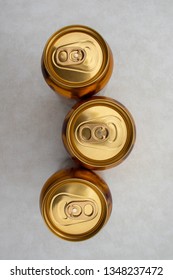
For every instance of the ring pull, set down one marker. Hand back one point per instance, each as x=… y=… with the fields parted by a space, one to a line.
x=81 y=210
x=93 y=132
x=67 y=56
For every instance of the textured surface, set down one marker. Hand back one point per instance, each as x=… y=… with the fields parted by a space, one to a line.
x=31 y=115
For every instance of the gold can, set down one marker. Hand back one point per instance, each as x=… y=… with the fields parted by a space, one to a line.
x=75 y=204
x=99 y=133
x=77 y=61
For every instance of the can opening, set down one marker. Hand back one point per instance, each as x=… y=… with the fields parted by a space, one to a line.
x=86 y=133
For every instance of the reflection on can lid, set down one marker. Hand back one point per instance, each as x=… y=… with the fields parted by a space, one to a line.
x=99 y=132
x=77 y=61
x=75 y=204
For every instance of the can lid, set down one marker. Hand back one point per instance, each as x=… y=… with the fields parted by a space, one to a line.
x=99 y=132
x=75 y=204
x=77 y=61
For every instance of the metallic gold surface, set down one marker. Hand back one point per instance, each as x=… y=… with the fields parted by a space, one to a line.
x=77 y=61
x=75 y=204
x=99 y=132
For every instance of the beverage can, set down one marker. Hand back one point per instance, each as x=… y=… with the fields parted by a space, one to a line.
x=77 y=62
x=99 y=132
x=75 y=204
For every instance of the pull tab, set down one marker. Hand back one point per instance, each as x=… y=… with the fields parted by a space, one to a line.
x=81 y=210
x=101 y=133
x=67 y=56
x=69 y=209
x=93 y=132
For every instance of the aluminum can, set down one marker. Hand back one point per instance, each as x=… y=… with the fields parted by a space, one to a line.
x=99 y=133
x=75 y=204
x=77 y=62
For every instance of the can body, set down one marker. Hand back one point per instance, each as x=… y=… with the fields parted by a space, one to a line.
x=77 y=62
x=99 y=133
x=75 y=204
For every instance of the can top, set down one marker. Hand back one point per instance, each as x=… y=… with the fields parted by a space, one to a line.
x=77 y=60
x=75 y=204
x=99 y=132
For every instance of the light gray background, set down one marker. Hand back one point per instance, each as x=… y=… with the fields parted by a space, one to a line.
x=31 y=116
